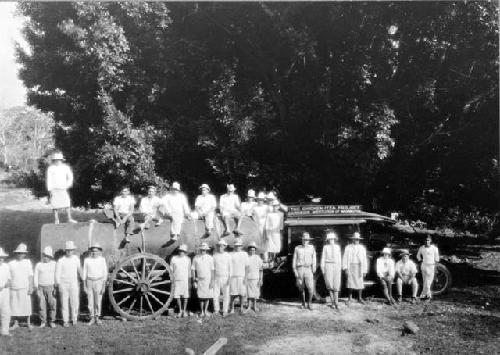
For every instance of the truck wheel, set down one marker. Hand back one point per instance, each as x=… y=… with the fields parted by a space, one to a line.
x=442 y=280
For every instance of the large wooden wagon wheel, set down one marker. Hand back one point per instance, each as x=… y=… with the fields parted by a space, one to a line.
x=140 y=286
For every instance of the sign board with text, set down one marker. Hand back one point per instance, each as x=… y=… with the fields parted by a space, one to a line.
x=322 y=210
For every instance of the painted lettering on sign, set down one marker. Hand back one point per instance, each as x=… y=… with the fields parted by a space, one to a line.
x=305 y=210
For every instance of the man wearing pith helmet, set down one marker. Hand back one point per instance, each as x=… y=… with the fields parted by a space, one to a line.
x=59 y=179
x=230 y=208
x=331 y=267
x=304 y=266
x=355 y=265
x=221 y=275
x=68 y=271
x=44 y=281
x=95 y=274
x=386 y=272
x=205 y=206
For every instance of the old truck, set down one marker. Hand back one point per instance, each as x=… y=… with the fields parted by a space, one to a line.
x=139 y=281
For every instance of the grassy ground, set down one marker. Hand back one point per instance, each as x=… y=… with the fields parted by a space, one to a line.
x=465 y=321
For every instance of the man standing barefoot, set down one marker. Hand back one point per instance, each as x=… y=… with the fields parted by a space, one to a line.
x=237 y=286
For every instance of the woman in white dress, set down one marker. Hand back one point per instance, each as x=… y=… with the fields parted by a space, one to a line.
x=260 y=212
x=273 y=232
x=21 y=286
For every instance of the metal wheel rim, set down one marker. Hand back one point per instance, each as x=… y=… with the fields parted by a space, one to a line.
x=140 y=287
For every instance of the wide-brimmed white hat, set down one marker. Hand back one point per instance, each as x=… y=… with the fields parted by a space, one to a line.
x=183 y=247
x=387 y=251
x=21 y=249
x=306 y=236
x=271 y=196
x=252 y=245
x=356 y=235
x=205 y=186
x=176 y=186
x=251 y=193
x=47 y=251
x=204 y=246
x=70 y=245
x=261 y=196
x=404 y=252
x=57 y=156
x=275 y=203
x=238 y=243
x=331 y=235
x=95 y=246
x=222 y=242
x=230 y=187
x=3 y=254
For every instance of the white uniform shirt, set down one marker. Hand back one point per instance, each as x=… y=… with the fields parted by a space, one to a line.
x=59 y=177
x=205 y=203
x=331 y=254
x=181 y=267
x=239 y=261
x=177 y=205
x=222 y=264
x=254 y=267
x=149 y=205
x=428 y=255
x=203 y=264
x=95 y=268
x=45 y=274
x=229 y=203
x=404 y=269
x=4 y=275
x=68 y=269
x=124 y=205
x=247 y=208
x=385 y=267
x=355 y=254
x=20 y=272
x=304 y=256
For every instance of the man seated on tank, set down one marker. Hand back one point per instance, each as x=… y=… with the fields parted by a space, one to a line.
x=406 y=272
x=149 y=208
x=230 y=208
x=123 y=210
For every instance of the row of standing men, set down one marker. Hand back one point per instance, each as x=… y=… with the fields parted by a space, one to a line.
x=19 y=281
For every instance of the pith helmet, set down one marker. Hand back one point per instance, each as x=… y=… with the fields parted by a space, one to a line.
x=21 y=249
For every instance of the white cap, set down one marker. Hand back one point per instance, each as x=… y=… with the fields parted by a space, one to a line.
x=222 y=242
x=57 y=156
x=205 y=186
x=70 y=245
x=251 y=193
x=183 y=247
x=230 y=187
x=176 y=186
x=331 y=235
x=387 y=251
x=261 y=196
x=21 y=248
x=3 y=254
x=47 y=251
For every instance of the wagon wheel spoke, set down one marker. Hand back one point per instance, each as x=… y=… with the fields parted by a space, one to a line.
x=149 y=303
x=130 y=276
x=140 y=307
x=132 y=304
x=160 y=291
x=123 y=290
x=160 y=283
x=152 y=269
x=155 y=298
x=156 y=277
x=125 y=282
x=135 y=270
x=143 y=277
x=123 y=300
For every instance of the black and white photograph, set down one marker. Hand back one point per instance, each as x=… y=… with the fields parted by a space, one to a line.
x=245 y=177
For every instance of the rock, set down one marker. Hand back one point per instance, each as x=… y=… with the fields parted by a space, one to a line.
x=410 y=327
x=372 y=320
x=189 y=351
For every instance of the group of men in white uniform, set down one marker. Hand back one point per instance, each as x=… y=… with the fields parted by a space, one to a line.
x=19 y=281
x=264 y=209
x=354 y=264
x=235 y=275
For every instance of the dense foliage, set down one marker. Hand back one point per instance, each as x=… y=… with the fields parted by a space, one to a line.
x=393 y=105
